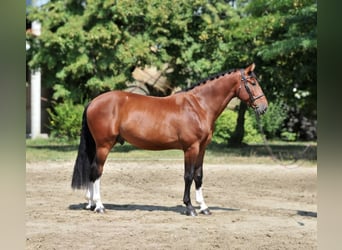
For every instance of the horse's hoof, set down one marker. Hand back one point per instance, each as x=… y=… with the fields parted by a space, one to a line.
x=191 y=212
x=99 y=210
x=205 y=211
x=92 y=208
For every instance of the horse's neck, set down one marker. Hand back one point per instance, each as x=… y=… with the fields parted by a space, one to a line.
x=215 y=95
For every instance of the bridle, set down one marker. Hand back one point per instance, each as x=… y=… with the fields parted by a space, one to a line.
x=244 y=79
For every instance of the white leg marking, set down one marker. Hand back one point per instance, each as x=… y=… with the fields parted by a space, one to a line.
x=200 y=199
x=89 y=195
x=97 y=197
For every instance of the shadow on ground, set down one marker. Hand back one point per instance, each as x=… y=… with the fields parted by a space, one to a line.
x=150 y=208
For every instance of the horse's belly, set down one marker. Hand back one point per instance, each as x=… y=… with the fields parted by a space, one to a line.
x=151 y=138
x=154 y=142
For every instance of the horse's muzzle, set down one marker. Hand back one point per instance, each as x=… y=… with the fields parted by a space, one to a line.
x=261 y=109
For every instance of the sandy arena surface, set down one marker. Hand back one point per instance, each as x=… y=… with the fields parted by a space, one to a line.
x=253 y=207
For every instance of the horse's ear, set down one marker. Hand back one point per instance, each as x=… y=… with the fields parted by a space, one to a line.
x=250 y=68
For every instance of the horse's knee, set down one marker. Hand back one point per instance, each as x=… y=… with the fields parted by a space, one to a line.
x=188 y=177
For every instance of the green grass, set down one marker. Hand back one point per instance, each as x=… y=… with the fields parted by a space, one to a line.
x=285 y=152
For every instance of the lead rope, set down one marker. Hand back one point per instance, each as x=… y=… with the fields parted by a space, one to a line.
x=273 y=156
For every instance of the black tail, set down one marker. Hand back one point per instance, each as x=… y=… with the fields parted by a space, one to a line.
x=85 y=157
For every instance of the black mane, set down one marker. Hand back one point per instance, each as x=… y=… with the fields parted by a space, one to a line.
x=210 y=78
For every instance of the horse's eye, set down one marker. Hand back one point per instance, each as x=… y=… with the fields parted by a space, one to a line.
x=253 y=83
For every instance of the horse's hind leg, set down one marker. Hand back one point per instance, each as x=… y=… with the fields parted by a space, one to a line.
x=93 y=193
x=190 y=156
x=99 y=208
x=93 y=197
x=89 y=196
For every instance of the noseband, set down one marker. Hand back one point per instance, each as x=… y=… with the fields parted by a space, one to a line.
x=245 y=81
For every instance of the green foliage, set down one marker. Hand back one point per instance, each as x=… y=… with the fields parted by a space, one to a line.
x=288 y=136
x=272 y=124
x=65 y=120
x=225 y=126
x=92 y=47
x=252 y=134
x=272 y=120
x=289 y=51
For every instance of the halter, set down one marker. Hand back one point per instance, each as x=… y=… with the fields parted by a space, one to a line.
x=245 y=81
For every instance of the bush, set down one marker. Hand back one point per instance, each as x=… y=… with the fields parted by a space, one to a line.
x=225 y=127
x=288 y=136
x=65 y=120
x=301 y=126
x=272 y=120
x=252 y=134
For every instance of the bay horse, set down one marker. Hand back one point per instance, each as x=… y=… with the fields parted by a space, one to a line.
x=184 y=121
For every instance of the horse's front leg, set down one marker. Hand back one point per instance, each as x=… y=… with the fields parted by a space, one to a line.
x=199 y=194
x=190 y=156
x=188 y=178
x=198 y=182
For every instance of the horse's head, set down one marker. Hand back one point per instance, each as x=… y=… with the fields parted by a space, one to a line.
x=250 y=91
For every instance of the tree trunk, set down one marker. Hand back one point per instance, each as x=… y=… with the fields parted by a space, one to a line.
x=237 y=137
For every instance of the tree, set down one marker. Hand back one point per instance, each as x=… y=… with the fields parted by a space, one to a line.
x=282 y=37
x=91 y=47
